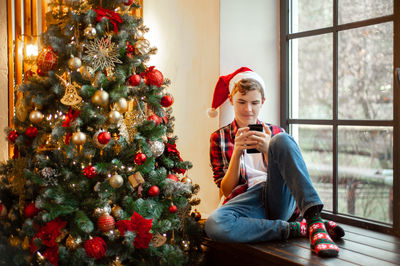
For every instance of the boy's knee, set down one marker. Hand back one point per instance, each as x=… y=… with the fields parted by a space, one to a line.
x=216 y=228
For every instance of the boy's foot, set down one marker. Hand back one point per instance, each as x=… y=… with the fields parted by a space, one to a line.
x=321 y=243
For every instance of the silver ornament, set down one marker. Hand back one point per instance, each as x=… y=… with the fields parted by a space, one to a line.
x=100 y=98
x=186 y=180
x=116 y=181
x=79 y=138
x=36 y=116
x=114 y=116
x=98 y=212
x=122 y=105
x=90 y=32
x=157 y=148
x=74 y=63
x=48 y=172
x=87 y=72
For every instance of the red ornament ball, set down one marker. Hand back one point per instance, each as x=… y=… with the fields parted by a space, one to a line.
x=167 y=101
x=128 y=2
x=105 y=222
x=134 y=80
x=31 y=210
x=173 y=209
x=90 y=171
x=95 y=247
x=140 y=158
x=130 y=48
x=46 y=60
x=104 y=137
x=173 y=177
x=31 y=132
x=155 y=118
x=12 y=136
x=154 y=191
x=153 y=77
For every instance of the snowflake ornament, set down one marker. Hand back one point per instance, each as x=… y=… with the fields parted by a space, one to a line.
x=102 y=53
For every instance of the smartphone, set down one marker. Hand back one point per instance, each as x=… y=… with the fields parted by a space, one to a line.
x=255 y=127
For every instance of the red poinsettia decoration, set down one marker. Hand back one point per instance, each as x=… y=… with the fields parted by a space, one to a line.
x=70 y=117
x=48 y=235
x=172 y=150
x=51 y=254
x=112 y=16
x=140 y=226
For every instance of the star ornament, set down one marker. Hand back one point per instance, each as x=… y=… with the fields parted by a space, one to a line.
x=102 y=53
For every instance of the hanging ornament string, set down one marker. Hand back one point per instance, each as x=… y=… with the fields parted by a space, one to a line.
x=112 y=16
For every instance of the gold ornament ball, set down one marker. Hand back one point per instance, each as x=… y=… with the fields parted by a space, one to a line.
x=90 y=32
x=100 y=98
x=122 y=105
x=87 y=72
x=116 y=181
x=36 y=116
x=114 y=116
x=79 y=138
x=74 y=63
x=116 y=211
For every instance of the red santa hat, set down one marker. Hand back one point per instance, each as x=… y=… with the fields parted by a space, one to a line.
x=225 y=85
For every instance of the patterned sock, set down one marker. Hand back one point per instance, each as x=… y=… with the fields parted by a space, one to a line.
x=298 y=229
x=321 y=243
x=334 y=230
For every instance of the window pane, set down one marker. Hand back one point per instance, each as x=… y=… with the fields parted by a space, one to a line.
x=311 y=77
x=365 y=74
x=366 y=172
x=354 y=10
x=315 y=142
x=310 y=14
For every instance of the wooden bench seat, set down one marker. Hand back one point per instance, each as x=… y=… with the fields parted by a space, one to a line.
x=358 y=247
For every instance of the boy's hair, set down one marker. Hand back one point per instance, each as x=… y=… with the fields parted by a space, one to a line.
x=247 y=84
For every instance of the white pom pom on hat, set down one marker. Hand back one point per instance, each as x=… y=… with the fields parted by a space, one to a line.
x=225 y=85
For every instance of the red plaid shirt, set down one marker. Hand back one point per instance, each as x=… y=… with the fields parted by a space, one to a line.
x=222 y=142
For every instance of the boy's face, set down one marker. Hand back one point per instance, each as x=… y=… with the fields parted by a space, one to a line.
x=247 y=107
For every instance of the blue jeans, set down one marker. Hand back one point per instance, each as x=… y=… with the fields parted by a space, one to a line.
x=261 y=213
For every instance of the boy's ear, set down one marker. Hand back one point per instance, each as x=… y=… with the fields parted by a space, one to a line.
x=263 y=100
x=230 y=99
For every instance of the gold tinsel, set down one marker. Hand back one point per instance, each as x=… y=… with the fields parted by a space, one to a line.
x=133 y=116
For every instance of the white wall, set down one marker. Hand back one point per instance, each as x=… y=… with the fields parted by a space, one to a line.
x=199 y=40
x=186 y=33
x=3 y=81
x=249 y=36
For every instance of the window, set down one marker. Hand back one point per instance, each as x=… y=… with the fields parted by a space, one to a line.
x=340 y=100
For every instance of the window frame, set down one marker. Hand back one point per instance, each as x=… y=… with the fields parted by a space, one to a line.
x=286 y=121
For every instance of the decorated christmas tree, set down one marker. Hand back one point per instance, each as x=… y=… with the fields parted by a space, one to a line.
x=95 y=177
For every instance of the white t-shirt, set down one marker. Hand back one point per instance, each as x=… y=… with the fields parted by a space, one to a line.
x=255 y=168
